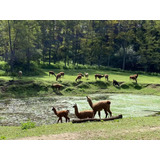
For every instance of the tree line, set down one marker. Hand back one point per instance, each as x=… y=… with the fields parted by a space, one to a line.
x=125 y=44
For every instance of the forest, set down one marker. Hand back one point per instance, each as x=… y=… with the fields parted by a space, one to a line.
x=125 y=44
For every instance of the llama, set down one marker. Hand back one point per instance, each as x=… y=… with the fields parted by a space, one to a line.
x=80 y=74
x=115 y=83
x=86 y=75
x=78 y=77
x=99 y=76
x=134 y=77
x=58 y=76
x=83 y=114
x=106 y=76
x=52 y=73
x=98 y=106
x=20 y=74
x=61 y=114
x=62 y=74
x=57 y=86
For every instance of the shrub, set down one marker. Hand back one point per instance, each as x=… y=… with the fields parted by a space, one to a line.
x=2 y=138
x=28 y=125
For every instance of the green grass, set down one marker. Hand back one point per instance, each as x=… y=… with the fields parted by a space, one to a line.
x=126 y=128
x=41 y=85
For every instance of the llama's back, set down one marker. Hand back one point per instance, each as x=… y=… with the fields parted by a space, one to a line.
x=63 y=113
x=85 y=114
x=101 y=105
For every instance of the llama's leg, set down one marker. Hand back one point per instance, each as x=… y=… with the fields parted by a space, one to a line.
x=61 y=119
x=68 y=119
x=106 y=113
x=58 y=119
x=95 y=113
x=99 y=113
x=110 y=112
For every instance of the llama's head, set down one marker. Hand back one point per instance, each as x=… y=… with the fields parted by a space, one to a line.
x=75 y=105
x=53 y=109
x=88 y=99
x=108 y=102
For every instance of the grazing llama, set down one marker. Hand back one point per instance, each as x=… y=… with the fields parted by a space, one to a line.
x=52 y=73
x=98 y=76
x=57 y=86
x=115 y=83
x=79 y=77
x=134 y=77
x=106 y=76
x=58 y=76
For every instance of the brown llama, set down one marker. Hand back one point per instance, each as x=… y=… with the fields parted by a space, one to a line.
x=83 y=114
x=20 y=74
x=99 y=76
x=57 y=86
x=106 y=76
x=78 y=77
x=134 y=77
x=80 y=74
x=52 y=73
x=61 y=114
x=86 y=75
x=98 y=106
x=115 y=83
x=58 y=76
x=62 y=73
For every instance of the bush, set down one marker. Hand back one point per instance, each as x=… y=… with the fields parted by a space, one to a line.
x=28 y=125
x=2 y=138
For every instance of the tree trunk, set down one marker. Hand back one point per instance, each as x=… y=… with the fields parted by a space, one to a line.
x=49 y=56
x=108 y=64
x=124 y=57
x=11 y=50
x=96 y=120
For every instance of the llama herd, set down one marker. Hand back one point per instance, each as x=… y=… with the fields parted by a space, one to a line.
x=80 y=75
x=96 y=107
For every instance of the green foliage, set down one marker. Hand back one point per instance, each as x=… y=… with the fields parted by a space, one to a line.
x=28 y=125
x=2 y=137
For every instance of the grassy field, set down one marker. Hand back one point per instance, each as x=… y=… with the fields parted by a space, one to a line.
x=41 y=85
x=138 y=128
x=127 y=128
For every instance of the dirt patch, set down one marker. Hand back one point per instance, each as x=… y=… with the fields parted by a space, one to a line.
x=87 y=135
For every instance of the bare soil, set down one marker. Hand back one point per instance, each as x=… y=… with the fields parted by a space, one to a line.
x=87 y=134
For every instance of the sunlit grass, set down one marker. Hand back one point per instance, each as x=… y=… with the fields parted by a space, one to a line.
x=126 y=128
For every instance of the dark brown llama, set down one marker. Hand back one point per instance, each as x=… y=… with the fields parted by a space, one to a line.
x=52 y=73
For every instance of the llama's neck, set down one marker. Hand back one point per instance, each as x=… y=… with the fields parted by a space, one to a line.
x=76 y=111
x=54 y=110
x=90 y=103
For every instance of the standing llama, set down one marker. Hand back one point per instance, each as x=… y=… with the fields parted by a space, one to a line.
x=98 y=106
x=61 y=114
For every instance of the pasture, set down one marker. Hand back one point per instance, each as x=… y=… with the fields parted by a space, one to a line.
x=127 y=99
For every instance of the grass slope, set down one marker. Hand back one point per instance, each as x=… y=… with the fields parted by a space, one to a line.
x=41 y=85
x=125 y=129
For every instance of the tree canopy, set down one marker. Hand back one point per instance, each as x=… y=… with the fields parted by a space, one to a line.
x=125 y=44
